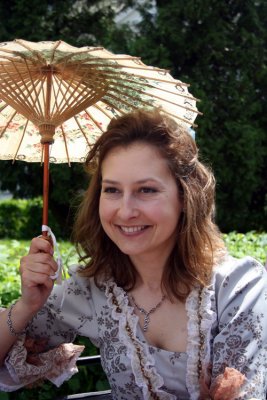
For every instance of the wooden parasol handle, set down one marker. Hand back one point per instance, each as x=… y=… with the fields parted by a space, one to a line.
x=45 y=186
x=47 y=132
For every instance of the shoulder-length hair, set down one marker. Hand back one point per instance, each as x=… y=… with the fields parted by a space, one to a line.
x=198 y=240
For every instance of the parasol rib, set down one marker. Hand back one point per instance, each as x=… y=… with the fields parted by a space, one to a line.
x=102 y=110
x=84 y=102
x=156 y=97
x=39 y=114
x=22 y=79
x=116 y=78
x=13 y=95
x=122 y=66
x=82 y=130
x=21 y=139
x=118 y=110
x=181 y=119
x=8 y=122
x=2 y=108
x=103 y=59
x=65 y=142
x=37 y=93
x=94 y=121
x=48 y=94
x=110 y=68
x=56 y=105
x=59 y=78
x=136 y=107
x=33 y=52
x=67 y=90
x=57 y=44
x=126 y=103
x=69 y=56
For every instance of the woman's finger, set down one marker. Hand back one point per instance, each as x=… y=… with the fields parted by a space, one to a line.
x=39 y=244
x=31 y=279
x=39 y=268
x=39 y=258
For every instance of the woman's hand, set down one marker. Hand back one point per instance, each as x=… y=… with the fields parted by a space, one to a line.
x=36 y=270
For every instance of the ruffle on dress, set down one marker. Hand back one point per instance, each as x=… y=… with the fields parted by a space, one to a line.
x=142 y=362
x=200 y=302
x=27 y=363
x=193 y=343
x=226 y=386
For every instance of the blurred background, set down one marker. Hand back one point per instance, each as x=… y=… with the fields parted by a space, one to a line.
x=219 y=47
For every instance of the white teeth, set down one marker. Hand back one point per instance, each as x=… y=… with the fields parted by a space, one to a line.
x=132 y=229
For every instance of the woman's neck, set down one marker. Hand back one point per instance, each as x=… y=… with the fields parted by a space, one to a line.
x=149 y=271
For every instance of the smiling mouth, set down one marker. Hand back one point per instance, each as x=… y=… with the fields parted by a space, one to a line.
x=132 y=229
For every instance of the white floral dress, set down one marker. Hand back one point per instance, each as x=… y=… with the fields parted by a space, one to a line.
x=229 y=315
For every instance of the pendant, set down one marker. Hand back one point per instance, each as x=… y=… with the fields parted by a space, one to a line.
x=146 y=322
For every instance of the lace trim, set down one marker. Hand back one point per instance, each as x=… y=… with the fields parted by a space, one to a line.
x=193 y=343
x=142 y=362
x=209 y=316
x=202 y=304
x=26 y=365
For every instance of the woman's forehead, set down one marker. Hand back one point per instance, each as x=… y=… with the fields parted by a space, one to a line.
x=138 y=162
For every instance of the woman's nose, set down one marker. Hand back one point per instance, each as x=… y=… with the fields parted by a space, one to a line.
x=128 y=207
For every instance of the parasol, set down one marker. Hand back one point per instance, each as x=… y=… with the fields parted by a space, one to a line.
x=56 y=99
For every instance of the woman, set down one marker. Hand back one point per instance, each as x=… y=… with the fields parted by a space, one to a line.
x=174 y=316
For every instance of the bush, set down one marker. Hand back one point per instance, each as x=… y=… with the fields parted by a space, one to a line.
x=9 y=273
x=10 y=253
x=22 y=219
x=252 y=244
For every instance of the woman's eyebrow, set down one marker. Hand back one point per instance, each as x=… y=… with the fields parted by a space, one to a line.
x=140 y=181
x=110 y=181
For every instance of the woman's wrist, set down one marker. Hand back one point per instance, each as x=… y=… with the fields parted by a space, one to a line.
x=10 y=322
x=18 y=317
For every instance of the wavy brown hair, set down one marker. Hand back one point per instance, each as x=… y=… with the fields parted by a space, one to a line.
x=198 y=245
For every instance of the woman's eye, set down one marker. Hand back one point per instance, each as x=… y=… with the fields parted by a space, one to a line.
x=110 y=190
x=148 y=190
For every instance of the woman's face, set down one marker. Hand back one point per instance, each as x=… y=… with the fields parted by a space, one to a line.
x=139 y=203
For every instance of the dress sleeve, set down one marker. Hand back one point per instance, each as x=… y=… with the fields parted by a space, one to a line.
x=46 y=351
x=69 y=311
x=240 y=340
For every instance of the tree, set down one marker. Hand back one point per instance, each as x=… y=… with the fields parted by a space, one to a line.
x=220 y=48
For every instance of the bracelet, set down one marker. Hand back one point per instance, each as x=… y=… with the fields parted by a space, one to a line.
x=10 y=325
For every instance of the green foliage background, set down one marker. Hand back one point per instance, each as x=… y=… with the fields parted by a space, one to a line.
x=219 y=47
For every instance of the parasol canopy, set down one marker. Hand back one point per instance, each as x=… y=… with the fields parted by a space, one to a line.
x=53 y=92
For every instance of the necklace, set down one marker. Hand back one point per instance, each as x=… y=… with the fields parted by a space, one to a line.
x=147 y=313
